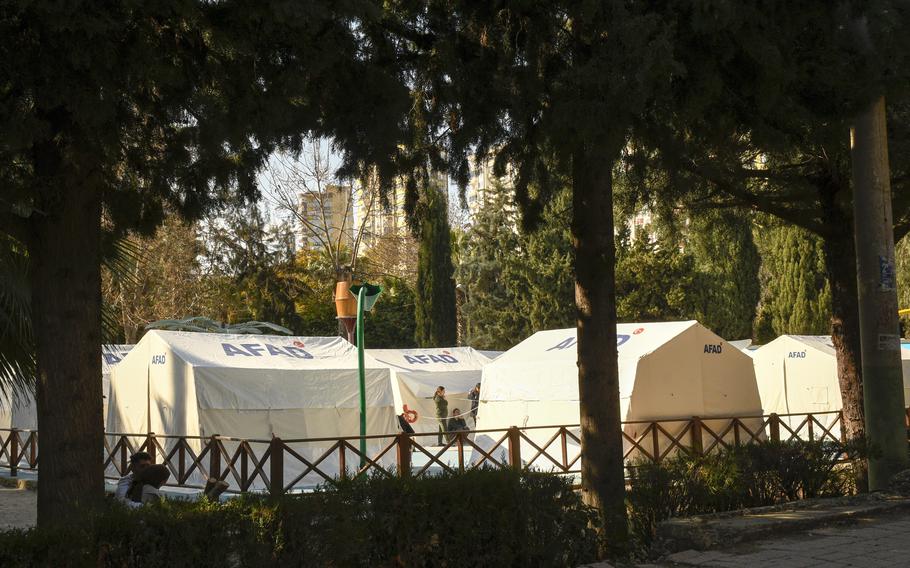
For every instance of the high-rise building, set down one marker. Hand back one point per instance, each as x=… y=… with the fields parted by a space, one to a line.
x=381 y=221
x=482 y=183
x=327 y=216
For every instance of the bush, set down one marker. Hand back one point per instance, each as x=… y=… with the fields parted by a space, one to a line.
x=479 y=518
x=752 y=475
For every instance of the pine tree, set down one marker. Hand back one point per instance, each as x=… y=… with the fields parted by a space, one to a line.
x=655 y=280
x=486 y=254
x=434 y=313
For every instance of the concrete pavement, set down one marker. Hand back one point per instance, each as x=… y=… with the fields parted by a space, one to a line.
x=870 y=542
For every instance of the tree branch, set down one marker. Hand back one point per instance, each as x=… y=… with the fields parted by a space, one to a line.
x=742 y=197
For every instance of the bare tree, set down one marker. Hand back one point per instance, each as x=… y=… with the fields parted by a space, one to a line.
x=298 y=184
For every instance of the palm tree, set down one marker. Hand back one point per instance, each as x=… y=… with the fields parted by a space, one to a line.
x=17 y=353
x=17 y=347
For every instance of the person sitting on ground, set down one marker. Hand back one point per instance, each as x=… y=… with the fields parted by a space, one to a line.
x=147 y=484
x=457 y=423
x=138 y=462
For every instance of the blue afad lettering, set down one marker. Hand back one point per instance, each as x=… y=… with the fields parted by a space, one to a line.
x=716 y=349
x=425 y=359
x=111 y=358
x=571 y=341
x=260 y=349
x=797 y=355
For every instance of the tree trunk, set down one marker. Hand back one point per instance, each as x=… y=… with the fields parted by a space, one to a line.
x=65 y=254
x=602 y=472
x=840 y=265
x=840 y=268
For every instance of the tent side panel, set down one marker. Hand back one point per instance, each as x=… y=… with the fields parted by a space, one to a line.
x=729 y=387
x=668 y=381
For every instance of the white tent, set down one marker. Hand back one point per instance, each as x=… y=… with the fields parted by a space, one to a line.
x=905 y=365
x=111 y=355
x=741 y=344
x=252 y=387
x=797 y=374
x=416 y=374
x=23 y=414
x=491 y=355
x=666 y=370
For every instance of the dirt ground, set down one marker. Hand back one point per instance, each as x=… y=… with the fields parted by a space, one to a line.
x=18 y=508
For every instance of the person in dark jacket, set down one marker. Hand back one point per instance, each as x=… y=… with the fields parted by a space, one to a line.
x=457 y=422
x=442 y=411
x=474 y=397
x=146 y=484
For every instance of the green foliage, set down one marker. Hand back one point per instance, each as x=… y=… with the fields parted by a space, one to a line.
x=520 y=282
x=251 y=268
x=390 y=325
x=655 y=281
x=902 y=262
x=796 y=296
x=434 y=314
x=481 y=518
x=751 y=475
x=515 y=282
x=17 y=355
x=727 y=262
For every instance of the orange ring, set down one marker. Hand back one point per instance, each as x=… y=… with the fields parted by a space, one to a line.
x=410 y=415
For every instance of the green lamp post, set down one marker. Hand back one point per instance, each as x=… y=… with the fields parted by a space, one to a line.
x=366 y=295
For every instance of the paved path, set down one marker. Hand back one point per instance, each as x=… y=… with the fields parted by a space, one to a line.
x=870 y=543
x=18 y=508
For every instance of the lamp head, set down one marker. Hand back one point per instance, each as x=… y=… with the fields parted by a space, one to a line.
x=370 y=294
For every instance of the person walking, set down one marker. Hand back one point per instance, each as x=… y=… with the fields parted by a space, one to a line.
x=474 y=397
x=442 y=411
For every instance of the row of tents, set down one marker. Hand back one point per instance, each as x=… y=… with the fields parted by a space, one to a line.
x=242 y=385
x=254 y=387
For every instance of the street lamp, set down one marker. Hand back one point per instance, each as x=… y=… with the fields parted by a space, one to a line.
x=366 y=295
x=346 y=307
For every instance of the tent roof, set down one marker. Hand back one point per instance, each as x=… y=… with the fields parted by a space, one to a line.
x=491 y=355
x=820 y=343
x=441 y=360
x=111 y=355
x=231 y=351
x=634 y=340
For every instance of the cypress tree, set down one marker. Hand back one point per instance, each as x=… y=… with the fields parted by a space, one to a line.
x=796 y=297
x=434 y=313
x=727 y=261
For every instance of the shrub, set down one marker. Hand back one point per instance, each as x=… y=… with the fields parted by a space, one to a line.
x=751 y=475
x=478 y=518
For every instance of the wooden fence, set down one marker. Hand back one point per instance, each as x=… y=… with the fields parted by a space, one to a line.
x=277 y=465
